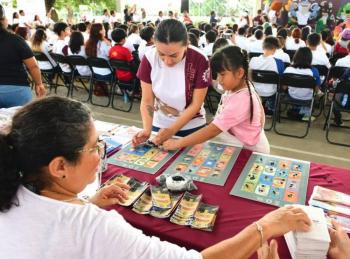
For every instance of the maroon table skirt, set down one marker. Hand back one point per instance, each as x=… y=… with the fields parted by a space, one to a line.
x=235 y=213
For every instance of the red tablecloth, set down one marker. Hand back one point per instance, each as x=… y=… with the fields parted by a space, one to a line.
x=235 y=213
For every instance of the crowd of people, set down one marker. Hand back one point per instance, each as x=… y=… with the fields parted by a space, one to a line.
x=176 y=62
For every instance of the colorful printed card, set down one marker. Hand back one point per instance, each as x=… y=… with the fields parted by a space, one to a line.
x=208 y=162
x=273 y=180
x=184 y=212
x=160 y=197
x=205 y=216
x=145 y=158
x=165 y=213
x=144 y=204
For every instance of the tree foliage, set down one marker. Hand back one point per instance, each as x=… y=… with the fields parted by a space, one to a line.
x=96 y=5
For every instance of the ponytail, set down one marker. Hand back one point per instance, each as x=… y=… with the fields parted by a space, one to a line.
x=231 y=58
x=10 y=177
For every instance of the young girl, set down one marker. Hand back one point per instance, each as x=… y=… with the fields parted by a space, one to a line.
x=240 y=115
x=302 y=65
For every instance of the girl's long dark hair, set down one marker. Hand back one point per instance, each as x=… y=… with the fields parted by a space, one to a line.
x=231 y=58
x=95 y=37
x=302 y=58
x=76 y=41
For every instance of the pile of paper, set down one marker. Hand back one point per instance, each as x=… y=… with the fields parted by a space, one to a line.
x=313 y=244
x=336 y=205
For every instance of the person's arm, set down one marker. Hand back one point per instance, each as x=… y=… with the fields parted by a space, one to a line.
x=188 y=114
x=147 y=111
x=35 y=73
x=197 y=137
x=147 y=106
x=246 y=242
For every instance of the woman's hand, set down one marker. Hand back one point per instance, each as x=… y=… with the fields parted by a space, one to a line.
x=285 y=219
x=40 y=90
x=110 y=195
x=340 y=242
x=172 y=144
x=140 y=137
x=163 y=135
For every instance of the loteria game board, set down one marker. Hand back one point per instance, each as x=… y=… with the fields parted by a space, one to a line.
x=145 y=158
x=208 y=162
x=273 y=180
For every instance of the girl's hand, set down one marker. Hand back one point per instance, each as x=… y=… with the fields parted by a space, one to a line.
x=171 y=144
x=285 y=219
x=163 y=135
x=110 y=195
x=140 y=137
x=340 y=242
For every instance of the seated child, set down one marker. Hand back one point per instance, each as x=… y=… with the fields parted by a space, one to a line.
x=240 y=116
x=302 y=65
x=268 y=62
x=119 y=52
x=148 y=42
x=343 y=100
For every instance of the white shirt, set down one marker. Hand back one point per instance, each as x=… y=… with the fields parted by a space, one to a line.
x=102 y=52
x=327 y=50
x=343 y=62
x=45 y=228
x=208 y=50
x=280 y=54
x=300 y=93
x=86 y=36
x=303 y=17
x=242 y=42
x=105 y=19
x=46 y=65
x=292 y=45
x=143 y=48
x=168 y=85
x=202 y=41
x=23 y=20
x=256 y=46
x=83 y=70
x=268 y=64
x=57 y=48
x=132 y=39
x=320 y=58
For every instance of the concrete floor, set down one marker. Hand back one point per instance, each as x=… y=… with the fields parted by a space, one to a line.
x=313 y=148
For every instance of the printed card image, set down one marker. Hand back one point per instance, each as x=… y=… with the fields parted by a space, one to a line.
x=181 y=167
x=257 y=168
x=146 y=158
x=290 y=196
x=262 y=189
x=204 y=171
x=293 y=185
x=270 y=170
x=284 y=179
x=282 y=173
x=266 y=179
x=279 y=182
x=205 y=163
x=276 y=193
x=284 y=164
x=248 y=187
x=294 y=175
